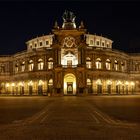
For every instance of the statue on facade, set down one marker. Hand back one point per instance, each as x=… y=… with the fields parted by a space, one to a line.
x=68 y=16
x=68 y=20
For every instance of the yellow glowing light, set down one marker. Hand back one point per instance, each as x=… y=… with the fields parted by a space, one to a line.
x=126 y=83
x=21 y=84
x=109 y=82
x=88 y=82
x=74 y=85
x=30 y=83
x=65 y=84
x=50 y=82
x=118 y=83
x=132 y=83
x=7 y=85
x=40 y=83
x=72 y=79
x=98 y=82
x=13 y=84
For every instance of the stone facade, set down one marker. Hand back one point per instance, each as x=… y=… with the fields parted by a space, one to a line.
x=70 y=62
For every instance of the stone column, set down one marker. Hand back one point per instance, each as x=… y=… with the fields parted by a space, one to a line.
x=79 y=56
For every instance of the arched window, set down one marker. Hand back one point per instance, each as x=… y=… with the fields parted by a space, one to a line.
x=40 y=87
x=89 y=85
x=21 y=88
x=40 y=64
x=109 y=83
x=97 y=42
x=103 y=44
x=122 y=66
x=2 y=68
x=118 y=87
x=98 y=63
x=50 y=85
x=116 y=65
x=50 y=82
x=50 y=63
x=132 y=87
x=99 y=86
x=30 y=86
x=107 y=45
x=99 y=82
x=126 y=87
x=88 y=63
x=91 y=42
x=30 y=83
x=136 y=67
x=13 y=88
x=88 y=82
x=31 y=65
x=23 y=66
x=40 y=82
x=108 y=64
x=16 y=68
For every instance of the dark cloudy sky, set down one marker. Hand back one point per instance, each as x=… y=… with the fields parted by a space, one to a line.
x=22 y=21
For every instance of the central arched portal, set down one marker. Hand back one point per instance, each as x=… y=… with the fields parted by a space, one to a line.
x=69 y=84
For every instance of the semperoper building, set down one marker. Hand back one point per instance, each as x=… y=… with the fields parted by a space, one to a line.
x=69 y=61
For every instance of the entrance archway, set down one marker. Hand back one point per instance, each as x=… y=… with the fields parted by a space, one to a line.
x=69 y=84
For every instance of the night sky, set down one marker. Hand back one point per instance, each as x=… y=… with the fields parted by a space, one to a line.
x=22 y=21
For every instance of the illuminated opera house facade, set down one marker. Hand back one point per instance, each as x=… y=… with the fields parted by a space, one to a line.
x=70 y=61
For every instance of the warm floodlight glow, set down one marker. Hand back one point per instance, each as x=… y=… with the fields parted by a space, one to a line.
x=69 y=78
x=30 y=83
x=132 y=83
x=69 y=59
x=126 y=83
x=74 y=85
x=40 y=83
x=98 y=82
x=21 y=84
x=65 y=85
x=31 y=65
x=88 y=82
x=7 y=85
x=13 y=84
x=50 y=82
x=40 y=64
x=118 y=83
x=108 y=64
x=109 y=82
x=98 y=63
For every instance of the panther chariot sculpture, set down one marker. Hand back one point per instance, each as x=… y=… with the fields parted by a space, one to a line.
x=68 y=20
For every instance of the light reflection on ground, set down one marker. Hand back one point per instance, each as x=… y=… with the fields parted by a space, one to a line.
x=70 y=117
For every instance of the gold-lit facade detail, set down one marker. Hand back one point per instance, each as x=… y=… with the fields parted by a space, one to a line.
x=70 y=62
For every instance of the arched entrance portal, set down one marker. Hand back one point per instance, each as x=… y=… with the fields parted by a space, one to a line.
x=69 y=84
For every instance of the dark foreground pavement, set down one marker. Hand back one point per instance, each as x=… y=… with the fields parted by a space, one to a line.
x=70 y=118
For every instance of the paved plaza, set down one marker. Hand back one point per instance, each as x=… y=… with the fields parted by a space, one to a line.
x=70 y=118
